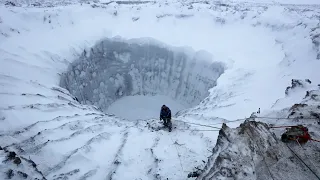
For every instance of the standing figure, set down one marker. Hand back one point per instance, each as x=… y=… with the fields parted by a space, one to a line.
x=165 y=115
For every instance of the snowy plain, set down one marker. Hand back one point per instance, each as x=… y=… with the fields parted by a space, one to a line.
x=263 y=45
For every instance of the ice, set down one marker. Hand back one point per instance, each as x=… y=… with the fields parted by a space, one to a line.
x=152 y=69
x=143 y=107
x=237 y=57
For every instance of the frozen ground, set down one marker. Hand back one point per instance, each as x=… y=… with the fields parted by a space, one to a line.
x=254 y=149
x=245 y=55
x=142 y=107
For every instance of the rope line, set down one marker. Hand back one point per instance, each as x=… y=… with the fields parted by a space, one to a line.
x=263 y=158
x=198 y=129
x=284 y=118
x=227 y=121
x=198 y=124
x=218 y=128
x=303 y=162
x=177 y=154
x=273 y=135
x=252 y=138
x=307 y=158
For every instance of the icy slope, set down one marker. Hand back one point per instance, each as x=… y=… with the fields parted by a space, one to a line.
x=257 y=81
x=64 y=138
x=255 y=151
x=96 y=146
x=264 y=46
x=77 y=141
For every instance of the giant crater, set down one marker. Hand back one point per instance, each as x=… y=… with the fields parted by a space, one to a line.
x=116 y=68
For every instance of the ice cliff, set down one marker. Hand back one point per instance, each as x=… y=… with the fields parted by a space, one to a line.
x=116 y=68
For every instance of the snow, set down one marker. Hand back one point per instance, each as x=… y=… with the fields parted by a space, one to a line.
x=295 y=2
x=153 y=68
x=142 y=107
x=244 y=57
x=251 y=151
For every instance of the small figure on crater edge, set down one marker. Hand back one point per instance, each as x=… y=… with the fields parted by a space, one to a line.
x=165 y=115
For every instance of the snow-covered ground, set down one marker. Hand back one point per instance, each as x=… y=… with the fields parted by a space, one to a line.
x=261 y=47
x=254 y=149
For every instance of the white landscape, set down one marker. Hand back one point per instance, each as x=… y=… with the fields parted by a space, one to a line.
x=82 y=84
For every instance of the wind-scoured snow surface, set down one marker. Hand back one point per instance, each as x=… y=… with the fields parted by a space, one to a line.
x=259 y=46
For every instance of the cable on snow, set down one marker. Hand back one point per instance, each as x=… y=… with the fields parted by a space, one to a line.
x=263 y=158
x=218 y=129
x=303 y=162
x=298 y=156
x=177 y=154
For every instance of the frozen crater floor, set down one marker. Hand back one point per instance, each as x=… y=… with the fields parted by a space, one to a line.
x=66 y=67
x=142 y=107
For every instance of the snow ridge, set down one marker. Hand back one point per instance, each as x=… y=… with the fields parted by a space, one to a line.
x=255 y=151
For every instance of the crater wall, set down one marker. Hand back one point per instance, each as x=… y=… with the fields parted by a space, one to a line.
x=115 y=68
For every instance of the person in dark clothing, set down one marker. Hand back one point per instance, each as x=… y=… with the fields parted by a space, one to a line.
x=165 y=115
